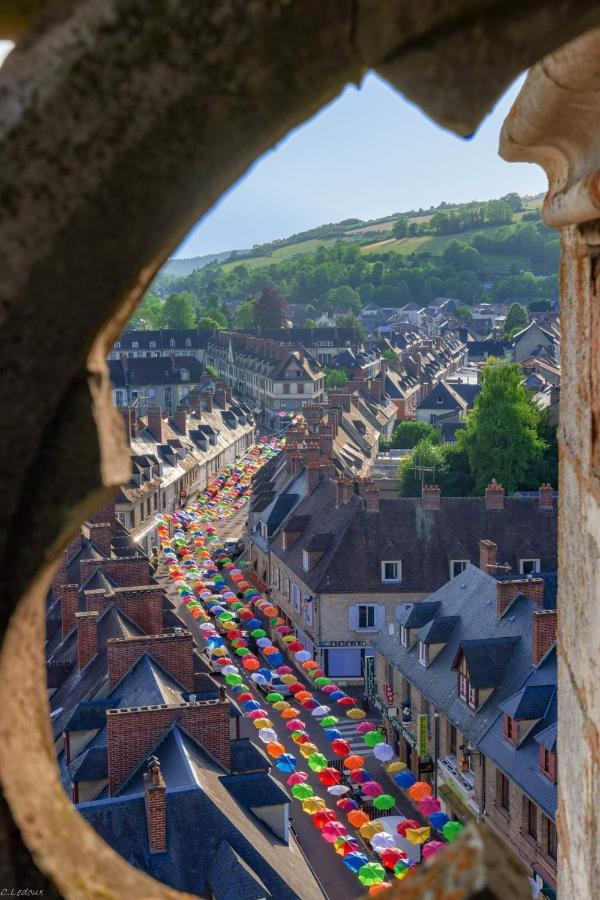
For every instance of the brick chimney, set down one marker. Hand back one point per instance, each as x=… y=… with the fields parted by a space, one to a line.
x=546 y=495
x=340 y=493
x=69 y=605
x=328 y=468
x=87 y=636
x=311 y=451
x=372 y=499
x=219 y=397
x=174 y=651
x=343 y=400
x=155 y=423
x=293 y=461
x=494 y=495
x=101 y=536
x=208 y=401
x=60 y=576
x=431 y=496
x=487 y=556
x=543 y=633
x=195 y=401
x=326 y=440
x=180 y=420
x=129 y=420
x=313 y=473
x=508 y=589
x=155 y=796
x=376 y=389
x=132 y=732
x=228 y=394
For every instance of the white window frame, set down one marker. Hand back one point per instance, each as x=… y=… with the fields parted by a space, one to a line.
x=391 y=562
x=305 y=561
x=172 y=343
x=367 y=606
x=423 y=654
x=296 y=597
x=465 y=563
x=188 y=342
x=404 y=636
x=134 y=345
x=119 y=397
x=152 y=345
x=117 y=345
x=536 y=566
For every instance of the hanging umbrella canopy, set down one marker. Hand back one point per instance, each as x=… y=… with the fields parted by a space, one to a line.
x=338 y=790
x=313 y=805
x=371 y=873
x=289 y=713
x=355 y=861
x=321 y=818
x=286 y=763
x=405 y=824
x=431 y=848
x=354 y=761
x=382 y=841
x=298 y=778
x=360 y=776
x=332 y=831
x=418 y=835
x=345 y=803
x=419 y=790
x=345 y=845
x=384 y=801
x=329 y=776
x=451 y=830
x=340 y=747
x=358 y=818
x=317 y=762
x=391 y=856
x=383 y=752
x=328 y=721
x=429 y=806
x=370 y=829
x=371 y=788
x=395 y=766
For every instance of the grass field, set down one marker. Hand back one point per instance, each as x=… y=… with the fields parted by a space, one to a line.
x=259 y=262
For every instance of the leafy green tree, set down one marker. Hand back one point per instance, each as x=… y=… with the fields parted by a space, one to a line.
x=270 y=309
x=208 y=322
x=244 y=317
x=454 y=475
x=351 y=322
x=148 y=314
x=514 y=201
x=387 y=353
x=336 y=378
x=400 y=228
x=425 y=455
x=539 y=306
x=344 y=298
x=408 y=434
x=310 y=323
x=178 y=311
x=463 y=312
x=516 y=319
x=501 y=436
x=210 y=369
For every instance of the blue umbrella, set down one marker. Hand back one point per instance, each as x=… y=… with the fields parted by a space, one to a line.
x=355 y=861
x=332 y=734
x=286 y=763
x=438 y=820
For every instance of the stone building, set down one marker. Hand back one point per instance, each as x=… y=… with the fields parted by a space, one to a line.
x=163 y=342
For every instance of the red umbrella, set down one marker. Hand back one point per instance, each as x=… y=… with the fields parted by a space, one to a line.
x=391 y=856
x=332 y=831
x=322 y=817
x=295 y=725
x=363 y=727
x=329 y=776
x=359 y=776
x=296 y=687
x=295 y=646
x=245 y=695
x=347 y=701
x=405 y=825
x=340 y=746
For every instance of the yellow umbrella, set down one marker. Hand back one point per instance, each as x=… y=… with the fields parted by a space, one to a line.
x=356 y=713
x=289 y=679
x=289 y=638
x=219 y=651
x=418 y=835
x=370 y=829
x=313 y=805
x=307 y=750
x=280 y=705
x=262 y=723
x=396 y=766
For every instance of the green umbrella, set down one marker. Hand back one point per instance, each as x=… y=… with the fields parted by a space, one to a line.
x=384 y=801
x=302 y=791
x=273 y=697
x=258 y=633
x=371 y=873
x=328 y=721
x=317 y=762
x=451 y=830
x=234 y=679
x=322 y=680
x=372 y=738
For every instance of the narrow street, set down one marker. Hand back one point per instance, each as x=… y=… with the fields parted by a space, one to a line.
x=338 y=882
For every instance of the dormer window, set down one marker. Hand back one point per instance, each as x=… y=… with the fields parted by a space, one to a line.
x=117 y=345
x=529 y=566
x=152 y=345
x=404 y=636
x=134 y=345
x=172 y=342
x=391 y=571
x=184 y=374
x=511 y=729
x=305 y=560
x=423 y=653
x=188 y=342
x=548 y=763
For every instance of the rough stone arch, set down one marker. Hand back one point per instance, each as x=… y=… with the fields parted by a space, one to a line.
x=122 y=122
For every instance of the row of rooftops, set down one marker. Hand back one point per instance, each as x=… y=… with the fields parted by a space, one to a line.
x=268 y=357
x=109 y=667
x=501 y=632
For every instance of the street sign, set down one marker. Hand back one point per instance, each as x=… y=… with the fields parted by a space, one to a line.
x=369 y=675
x=388 y=693
x=422 y=735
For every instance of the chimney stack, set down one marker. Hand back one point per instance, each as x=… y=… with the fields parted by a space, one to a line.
x=101 y=536
x=326 y=440
x=180 y=419
x=487 y=557
x=372 y=499
x=208 y=401
x=328 y=468
x=376 y=388
x=313 y=473
x=431 y=496
x=87 y=636
x=293 y=461
x=543 y=633
x=69 y=605
x=155 y=423
x=340 y=493
x=129 y=420
x=195 y=402
x=155 y=796
x=509 y=588
x=546 y=495
x=219 y=397
x=494 y=495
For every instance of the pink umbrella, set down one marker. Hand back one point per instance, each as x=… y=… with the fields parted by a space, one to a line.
x=284 y=670
x=295 y=725
x=364 y=727
x=332 y=831
x=297 y=778
x=359 y=776
x=257 y=714
x=346 y=804
x=372 y=789
x=429 y=805
x=431 y=848
x=330 y=688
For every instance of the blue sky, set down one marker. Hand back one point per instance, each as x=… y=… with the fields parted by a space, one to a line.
x=368 y=154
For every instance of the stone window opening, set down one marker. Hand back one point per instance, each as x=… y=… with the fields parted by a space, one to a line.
x=50 y=840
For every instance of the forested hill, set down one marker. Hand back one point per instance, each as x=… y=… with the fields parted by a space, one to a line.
x=497 y=249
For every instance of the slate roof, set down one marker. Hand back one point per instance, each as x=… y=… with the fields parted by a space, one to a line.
x=88 y=715
x=143 y=370
x=202 y=813
x=487 y=659
x=321 y=541
x=438 y=630
x=449 y=430
x=424 y=540
x=414 y=615
x=92 y=765
x=282 y=507
x=255 y=789
x=198 y=338
x=246 y=756
x=530 y=702
x=443 y=397
x=547 y=737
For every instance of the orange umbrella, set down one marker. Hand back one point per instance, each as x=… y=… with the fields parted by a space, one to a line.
x=290 y=713
x=419 y=790
x=354 y=762
x=358 y=818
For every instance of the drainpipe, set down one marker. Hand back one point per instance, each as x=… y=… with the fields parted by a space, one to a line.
x=482 y=792
x=436 y=750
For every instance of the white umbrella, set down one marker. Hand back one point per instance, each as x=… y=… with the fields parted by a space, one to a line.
x=229 y=670
x=258 y=678
x=267 y=735
x=382 y=841
x=302 y=655
x=319 y=711
x=337 y=790
x=383 y=752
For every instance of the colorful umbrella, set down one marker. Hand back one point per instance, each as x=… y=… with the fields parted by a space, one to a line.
x=371 y=873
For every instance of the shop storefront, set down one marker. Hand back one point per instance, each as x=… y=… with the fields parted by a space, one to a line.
x=345 y=659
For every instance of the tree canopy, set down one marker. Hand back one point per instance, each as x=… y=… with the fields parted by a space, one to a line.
x=501 y=437
x=516 y=319
x=178 y=311
x=270 y=309
x=408 y=434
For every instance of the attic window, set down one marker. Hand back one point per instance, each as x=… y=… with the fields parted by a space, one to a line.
x=529 y=566
x=511 y=729
x=404 y=636
x=188 y=342
x=172 y=342
x=134 y=345
x=184 y=374
x=458 y=566
x=548 y=763
x=391 y=571
x=423 y=653
x=117 y=345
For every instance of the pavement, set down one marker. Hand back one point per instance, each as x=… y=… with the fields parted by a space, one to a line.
x=337 y=881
